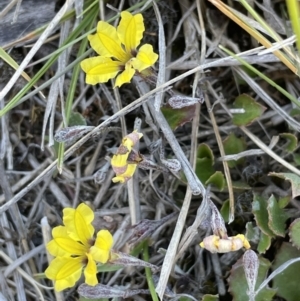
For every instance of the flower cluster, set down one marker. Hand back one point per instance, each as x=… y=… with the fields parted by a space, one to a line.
x=76 y=250
x=219 y=242
x=215 y=244
x=117 y=49
x=125 y=161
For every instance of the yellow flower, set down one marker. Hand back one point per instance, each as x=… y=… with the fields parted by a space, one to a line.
x=75 y=248
x=120 y=161
x=215 y=244
x=118 y=51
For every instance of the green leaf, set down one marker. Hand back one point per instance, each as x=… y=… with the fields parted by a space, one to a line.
x=297 y=159
x=76 y=119
x=238 y=285
x=204 y=151
x=294 y=233
x=287 y=282
x=210 y=298
x=252 y=232
x=217 y=179
x=259 y=209
x=292 y=141
x=264 y=243
x=283 y=202
x=294 y=179
x=295 y=112
x=277 y=217
x=240 y=185
x=253 y=110
x=178 y=117
x=234 y=145
x=204 y=164
x=225 y=211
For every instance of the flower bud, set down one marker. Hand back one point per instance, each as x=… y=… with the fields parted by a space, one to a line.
x=145 y=228
x=104 y=291
x=120 y=161
x=217 y=222
x=69 y=134
x=178 y=101
x=251 y=265
x=118 y=258
x=172 y=164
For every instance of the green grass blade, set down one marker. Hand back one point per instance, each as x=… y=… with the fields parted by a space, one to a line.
x=149 y=274
x=261 y=75
x=15 y=100
x=73 y=84
x=294 y=13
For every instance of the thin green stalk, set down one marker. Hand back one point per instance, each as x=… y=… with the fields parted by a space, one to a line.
x=260 y=20
x=294 y=13
x=72 y=39
x=149 y=274
x=264 y=77
x=73 y=85
x=15 y=100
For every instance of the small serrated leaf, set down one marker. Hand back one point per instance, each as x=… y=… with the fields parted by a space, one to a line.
x=264 y=243
x=253 y=110
x=234 y=145
x=277 y=217
x=294 y=233
x=292 y=178
x=292 y=141
x=178 y=117
x=259 y=209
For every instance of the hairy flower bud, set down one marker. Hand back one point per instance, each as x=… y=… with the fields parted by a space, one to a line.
x=118 y=258
x=251 y=265
x=104 y=291
x=178 y=101
x=172 y=164
x=217 y=222
x=70 y=134
x=145 y=228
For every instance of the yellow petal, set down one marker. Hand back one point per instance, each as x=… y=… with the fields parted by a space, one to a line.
x=130 y=30
x=119 y=160
x=101 y=249
x=127 y=175
x=65 y=271
x=125 y=77
x=118 y=179
x=106 y=42
x=100 y=69
x=63 y=245
x=145 y=58
x=90 y=271
x=242 y=237
x=78 y=223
